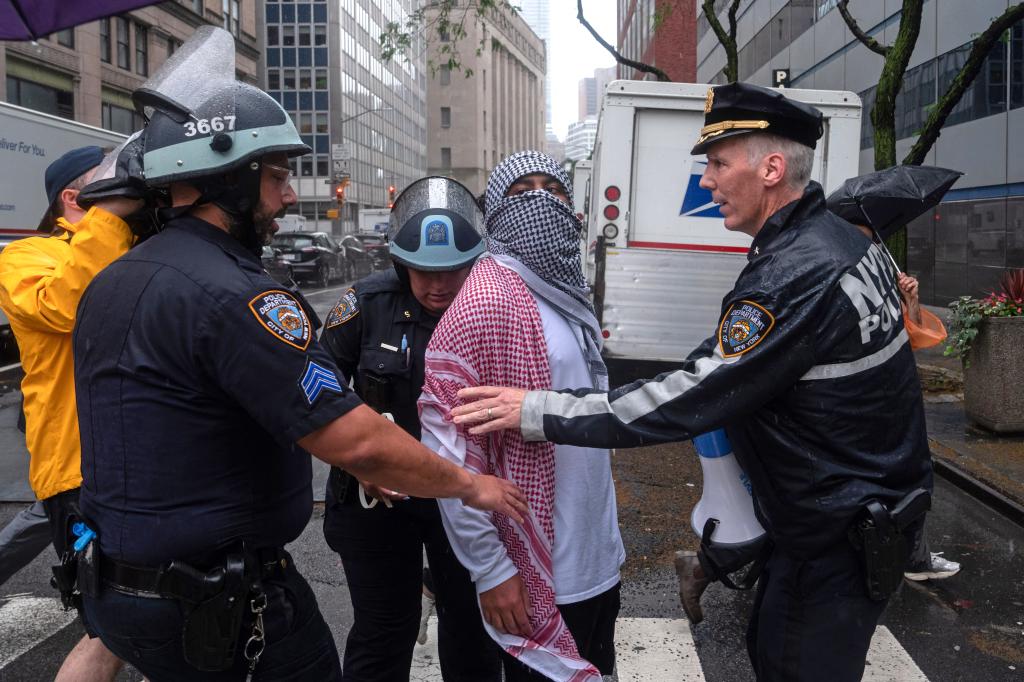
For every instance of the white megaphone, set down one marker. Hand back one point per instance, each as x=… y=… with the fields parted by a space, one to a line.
x=724 y=519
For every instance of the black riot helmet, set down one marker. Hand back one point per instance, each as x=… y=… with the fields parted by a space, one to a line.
x=435 y=225
x=216 y=145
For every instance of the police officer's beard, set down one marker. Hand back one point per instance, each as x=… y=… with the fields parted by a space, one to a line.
x=262 y=226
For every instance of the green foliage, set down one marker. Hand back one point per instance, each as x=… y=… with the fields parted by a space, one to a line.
x=661 y=14
x=441 y=23
x=968 y=313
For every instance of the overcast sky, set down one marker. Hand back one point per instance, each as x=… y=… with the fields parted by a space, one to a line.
x=574 y=54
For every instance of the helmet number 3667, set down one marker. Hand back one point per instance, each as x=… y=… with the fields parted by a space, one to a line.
x=204 y=126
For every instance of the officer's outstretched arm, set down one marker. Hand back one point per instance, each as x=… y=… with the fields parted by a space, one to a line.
x=371 y=447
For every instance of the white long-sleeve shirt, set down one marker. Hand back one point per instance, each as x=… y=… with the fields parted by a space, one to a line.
x=588 y=550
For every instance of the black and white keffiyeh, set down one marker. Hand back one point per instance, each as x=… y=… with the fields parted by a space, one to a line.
x=538 y=235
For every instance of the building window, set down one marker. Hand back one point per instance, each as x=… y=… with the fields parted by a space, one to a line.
x=319 y=35
x=271 y=35
x=446 y=157
x=120 y=119
x=321 y=122
x=287 y=35
x=40 y=97
x=141 y=50
x=105 y=40
x=197 y=7
x=446 y=117
x=321 y=165
x=304 y=35
x=305 y=79
x=273 y=79
x=124 y=55
x=1017 y=65
x=66 y=37
x=321 y=79
x=229 y=10
x=289 y=79
x=446 y=75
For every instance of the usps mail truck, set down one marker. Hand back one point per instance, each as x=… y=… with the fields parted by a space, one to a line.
x=658 y=256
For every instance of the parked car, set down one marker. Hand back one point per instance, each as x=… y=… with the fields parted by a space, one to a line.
x=361 y=260
x=313 y=256
x=377 y=246
x=277 y=267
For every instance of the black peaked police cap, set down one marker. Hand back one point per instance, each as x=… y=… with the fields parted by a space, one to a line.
x=739 y=108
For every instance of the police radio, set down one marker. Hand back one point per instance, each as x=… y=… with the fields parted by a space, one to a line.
x=730 y=534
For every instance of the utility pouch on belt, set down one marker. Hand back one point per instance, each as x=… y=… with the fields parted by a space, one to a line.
x=213 y=627
x=65 y=579
x=878 y=534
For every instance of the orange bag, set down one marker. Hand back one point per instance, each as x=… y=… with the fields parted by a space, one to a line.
x=929 y=333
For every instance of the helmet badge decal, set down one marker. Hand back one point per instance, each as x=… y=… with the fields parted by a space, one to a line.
x=437 y=230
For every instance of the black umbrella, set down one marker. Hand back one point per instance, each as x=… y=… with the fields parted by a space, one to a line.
x=889 y=199
x=30 y=19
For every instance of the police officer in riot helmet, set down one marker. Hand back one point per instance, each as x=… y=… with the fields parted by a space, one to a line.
x=206 y=390
x=378 y=334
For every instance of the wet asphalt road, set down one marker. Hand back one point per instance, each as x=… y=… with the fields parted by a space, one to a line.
x=967 y=628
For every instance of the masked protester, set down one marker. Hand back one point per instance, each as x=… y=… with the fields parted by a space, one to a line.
x=549 y=588
x=378 y=334
x=41 y=283
x=206 y=391
x=810 y=373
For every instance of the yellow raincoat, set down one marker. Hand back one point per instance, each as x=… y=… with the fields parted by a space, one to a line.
x=42 y=280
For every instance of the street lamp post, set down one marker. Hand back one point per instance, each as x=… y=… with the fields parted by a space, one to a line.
x=341 y=169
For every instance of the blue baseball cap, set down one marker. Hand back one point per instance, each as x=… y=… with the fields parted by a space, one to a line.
x=67 y=168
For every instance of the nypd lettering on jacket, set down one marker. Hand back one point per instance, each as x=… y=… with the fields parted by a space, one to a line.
x=871 y=289
x=809 y=371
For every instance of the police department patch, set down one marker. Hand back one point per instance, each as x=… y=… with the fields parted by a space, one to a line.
x=744 y=325
x=316 y=379
x=282 y=316
x=344 y=310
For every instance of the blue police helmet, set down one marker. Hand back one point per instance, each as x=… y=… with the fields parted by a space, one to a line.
x=435 y=225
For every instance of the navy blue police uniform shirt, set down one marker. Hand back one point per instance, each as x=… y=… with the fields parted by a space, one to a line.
x=196 y=373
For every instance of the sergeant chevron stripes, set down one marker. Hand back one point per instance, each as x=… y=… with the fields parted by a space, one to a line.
x=317 y=379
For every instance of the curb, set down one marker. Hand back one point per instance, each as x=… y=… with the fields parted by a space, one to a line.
x=984 y=493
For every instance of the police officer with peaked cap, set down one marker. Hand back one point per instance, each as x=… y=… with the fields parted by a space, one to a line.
x=378 y=334
x=812 y=377
x=201 y=391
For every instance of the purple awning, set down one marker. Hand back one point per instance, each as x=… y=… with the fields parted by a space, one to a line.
x=31 y=19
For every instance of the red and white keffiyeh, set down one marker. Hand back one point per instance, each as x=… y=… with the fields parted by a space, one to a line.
x=492 y=335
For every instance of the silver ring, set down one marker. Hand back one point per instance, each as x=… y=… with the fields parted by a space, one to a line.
x=489 y=417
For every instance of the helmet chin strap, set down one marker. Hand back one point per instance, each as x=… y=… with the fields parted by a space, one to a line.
x=237 y=195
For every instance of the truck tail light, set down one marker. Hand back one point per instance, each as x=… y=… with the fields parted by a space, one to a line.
x=612 y=193
x=611 y=212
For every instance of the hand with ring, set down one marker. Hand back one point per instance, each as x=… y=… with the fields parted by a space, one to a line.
x=489 y=408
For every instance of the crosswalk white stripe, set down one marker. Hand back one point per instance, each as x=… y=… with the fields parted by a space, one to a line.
x=26 y=621
x=659 y=649
x=656 y=649
x=888 y=661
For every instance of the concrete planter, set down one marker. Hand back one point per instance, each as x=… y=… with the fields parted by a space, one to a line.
x=994 y=377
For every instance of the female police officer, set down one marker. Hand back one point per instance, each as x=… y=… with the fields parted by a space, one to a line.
x=199 y=377
x=378 y=334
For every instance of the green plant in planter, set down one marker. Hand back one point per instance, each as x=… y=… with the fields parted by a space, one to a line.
x=968 y=312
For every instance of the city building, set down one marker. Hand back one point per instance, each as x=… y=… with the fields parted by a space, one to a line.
x=537 y=14
x=88 y=72
x=474 y=122
x=364 y=118
x=591 y=91
x=661 y=33
x=579 y=142
x=964 y=246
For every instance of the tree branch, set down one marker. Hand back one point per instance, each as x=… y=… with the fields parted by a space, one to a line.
x=858 y=33
x=726 y=38
x=975 y=60
x=639 y=66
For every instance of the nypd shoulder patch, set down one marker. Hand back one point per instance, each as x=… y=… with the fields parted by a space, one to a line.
x=344 y=310
x=316 y=379
x=744 y=325
x=282 y=315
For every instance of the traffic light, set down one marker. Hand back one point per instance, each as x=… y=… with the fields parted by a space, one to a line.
x=391 y=196
x=339 y=191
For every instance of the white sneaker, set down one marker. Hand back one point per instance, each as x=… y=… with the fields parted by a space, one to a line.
x=940 y=568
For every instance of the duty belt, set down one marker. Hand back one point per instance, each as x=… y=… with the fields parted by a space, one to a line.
x=179 y=580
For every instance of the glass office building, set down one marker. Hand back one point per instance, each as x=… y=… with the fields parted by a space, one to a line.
x=364 y=119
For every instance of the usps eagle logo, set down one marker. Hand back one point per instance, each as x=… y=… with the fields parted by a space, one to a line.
x=282 y=315
x=744 y=325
